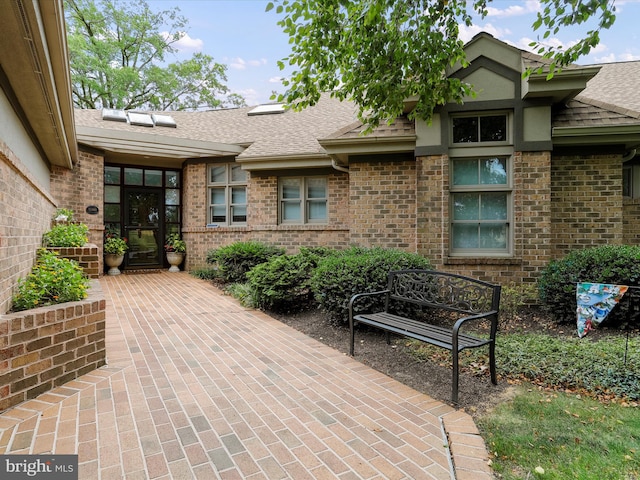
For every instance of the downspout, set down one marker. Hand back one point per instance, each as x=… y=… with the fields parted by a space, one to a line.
x=630 y=155
x=335 y=165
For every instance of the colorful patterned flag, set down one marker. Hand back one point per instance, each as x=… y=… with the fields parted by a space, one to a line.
x=595 y=301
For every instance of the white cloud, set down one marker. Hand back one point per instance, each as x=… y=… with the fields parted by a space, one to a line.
x=242 y=64
x=621 y=57
x=467 y=33
x=524 y=8
x=186 y=43
x=276 y=80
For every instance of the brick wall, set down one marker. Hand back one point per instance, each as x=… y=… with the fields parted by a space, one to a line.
x=79 y=188
x=46 y=347
x=630 y=224
x=262 y=217
x=88 y=257
x=531 y=225
x=26 y=208
x=382 y=198
x=586 y=202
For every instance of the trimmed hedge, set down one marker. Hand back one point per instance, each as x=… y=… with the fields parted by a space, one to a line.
x=283 y=283
x=235 y=260
x=614 y=264
x=357 y=270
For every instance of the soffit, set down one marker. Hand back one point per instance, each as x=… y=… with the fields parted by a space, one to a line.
x=34 y=59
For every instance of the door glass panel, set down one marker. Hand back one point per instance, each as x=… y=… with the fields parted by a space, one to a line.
x=172 y=214
x=112 y=175
x=142 y=224
x=172 y=196
x=112 y=213
x=153 y=178
x=172 y=179
x=111 y=194
x=133 y=176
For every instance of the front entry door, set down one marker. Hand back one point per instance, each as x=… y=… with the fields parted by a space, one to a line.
x=143 y=227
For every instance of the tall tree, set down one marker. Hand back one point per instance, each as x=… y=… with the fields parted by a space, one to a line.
x=378 y=53
x=118 y=56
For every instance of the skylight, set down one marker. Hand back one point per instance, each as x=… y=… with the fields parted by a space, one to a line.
x=142 y=119
x=163 y=121
x=269 y=109
x=113 y=115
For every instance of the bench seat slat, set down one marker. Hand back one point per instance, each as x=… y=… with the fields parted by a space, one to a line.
x=440 y=336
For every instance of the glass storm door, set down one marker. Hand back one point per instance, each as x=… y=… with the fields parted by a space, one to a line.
x=142 y=225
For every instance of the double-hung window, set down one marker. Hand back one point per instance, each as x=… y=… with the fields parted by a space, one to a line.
x=480 y=204
x=303 y=199
x=227 y=188
x=481 y=185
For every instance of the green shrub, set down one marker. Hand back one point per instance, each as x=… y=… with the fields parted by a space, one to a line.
x=357 y=270
x=205 y=273
x=235 y=260
x=66 y=235
x=243 y=293
x=283 y=283
x=52 y=280
x=614 y=264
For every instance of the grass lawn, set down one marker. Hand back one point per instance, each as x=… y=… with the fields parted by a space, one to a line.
x=541 y=434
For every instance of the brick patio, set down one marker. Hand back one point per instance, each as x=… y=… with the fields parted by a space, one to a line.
x=197 y=386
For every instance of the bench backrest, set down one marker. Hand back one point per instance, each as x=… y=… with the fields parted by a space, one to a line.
x=444 y=290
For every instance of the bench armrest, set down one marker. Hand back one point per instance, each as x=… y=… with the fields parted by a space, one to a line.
x=355 y=297
x=480 y=316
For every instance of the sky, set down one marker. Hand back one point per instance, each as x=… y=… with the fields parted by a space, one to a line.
x=246 y=38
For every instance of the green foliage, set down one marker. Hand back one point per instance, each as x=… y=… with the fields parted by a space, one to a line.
x=52 y=280
x=338 y=277
x=379 y=53
x=615 y=264
x=118 y=54
x=175 y=244
x=204 y=273
x=63 y=215
x=243 y=293
x=515 y=296
x=235 y=260
x=115 y=245
x=564 y=436
x=283 y=283
x=66 y=235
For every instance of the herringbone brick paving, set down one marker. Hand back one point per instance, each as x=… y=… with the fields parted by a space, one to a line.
x=197 y=386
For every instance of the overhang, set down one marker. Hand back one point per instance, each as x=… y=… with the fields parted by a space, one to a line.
x=342 y=148
x=564 y=85
x=136 y=143
x=34 y=58
x=627 y=135
x=285 y=162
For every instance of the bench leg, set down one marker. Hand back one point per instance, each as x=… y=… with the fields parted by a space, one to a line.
x=388 y=337
x=492 y=362
x=351 y=340
x=454 y=380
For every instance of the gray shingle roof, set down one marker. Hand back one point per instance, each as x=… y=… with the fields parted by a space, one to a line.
x=289 y=133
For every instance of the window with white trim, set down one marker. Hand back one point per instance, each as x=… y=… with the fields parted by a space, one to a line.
x=480 y=206
x=227 y=189
x=303 y=199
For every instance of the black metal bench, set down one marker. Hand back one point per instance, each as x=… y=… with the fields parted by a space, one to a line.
x=477 y=299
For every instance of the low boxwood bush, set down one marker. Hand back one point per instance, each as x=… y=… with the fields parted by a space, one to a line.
x=614 y=264
x=283 y=283
x=52 y=280
x=355 y=270
x=235 y=260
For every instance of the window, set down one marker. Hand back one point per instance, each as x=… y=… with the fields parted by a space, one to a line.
x=480 y=129
x=303 y=200
x=227 y=185
x=480 y=206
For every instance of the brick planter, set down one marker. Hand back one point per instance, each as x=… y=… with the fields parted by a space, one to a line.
x=45 y=347
x=87 y=256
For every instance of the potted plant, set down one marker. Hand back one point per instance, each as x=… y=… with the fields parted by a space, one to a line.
x=175 y=248
x=114 y=250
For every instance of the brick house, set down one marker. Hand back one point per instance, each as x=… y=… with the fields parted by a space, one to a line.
x=520 y=174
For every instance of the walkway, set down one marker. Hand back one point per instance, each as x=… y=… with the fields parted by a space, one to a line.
x=198 y=387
